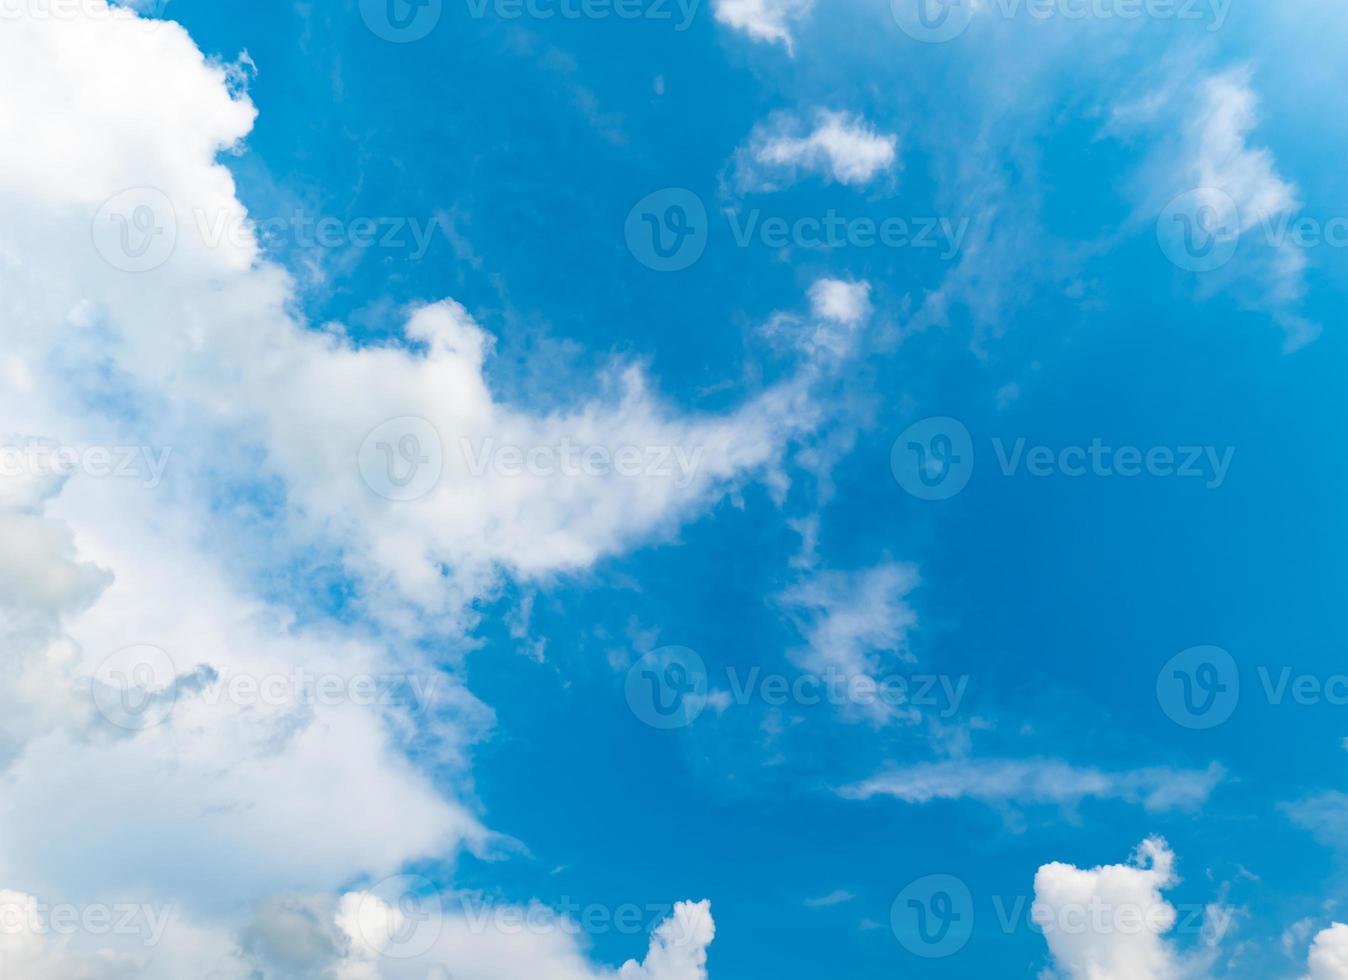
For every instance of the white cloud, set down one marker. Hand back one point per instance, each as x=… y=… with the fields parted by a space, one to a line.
x=1102 y=950
x=1328 y=957
x=840 y=146
x=1040 y=781
x=764 y=20
x=851 y=620
x=228 y=801
x=841 y=301
x=1226 y=176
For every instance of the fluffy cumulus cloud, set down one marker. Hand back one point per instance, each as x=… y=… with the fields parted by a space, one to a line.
x=764 y=20
x=157 y=686
x=1225 y=209
x=1039 y=782
x=1328 y=958
x=838 y=146
x=1102 y=898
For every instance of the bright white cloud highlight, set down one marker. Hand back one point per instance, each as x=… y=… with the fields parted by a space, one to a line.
x=1328 y=957
x=1040 y=782
x=764 y=20
x=1105 y=950
x=840 y=146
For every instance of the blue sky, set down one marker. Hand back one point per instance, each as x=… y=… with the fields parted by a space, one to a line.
x=1053 y=402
